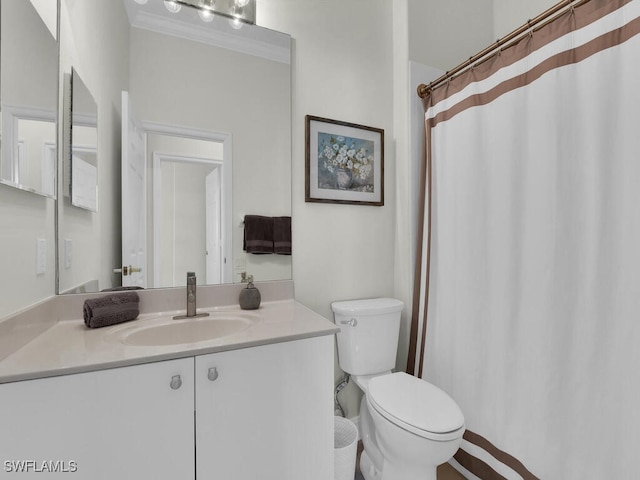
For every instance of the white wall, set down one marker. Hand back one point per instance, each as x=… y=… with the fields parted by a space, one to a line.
x=94 y=40
x=24 y=217
x=48 y=10
x=444 y=34
x=511 y=14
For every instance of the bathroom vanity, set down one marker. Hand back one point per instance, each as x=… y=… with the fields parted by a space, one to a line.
x=254 y=404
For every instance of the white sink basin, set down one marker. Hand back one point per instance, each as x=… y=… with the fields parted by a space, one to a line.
x=167 y=331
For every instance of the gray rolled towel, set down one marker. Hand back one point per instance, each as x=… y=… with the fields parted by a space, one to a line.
x=111 y=309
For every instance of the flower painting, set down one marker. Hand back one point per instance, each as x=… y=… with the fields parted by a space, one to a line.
x=344 y=162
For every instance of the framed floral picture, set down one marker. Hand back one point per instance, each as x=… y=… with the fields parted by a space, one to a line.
x=344 y=162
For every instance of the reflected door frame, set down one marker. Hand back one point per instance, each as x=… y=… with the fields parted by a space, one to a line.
x=226 y=205
x=13 y=154
x=215 y=254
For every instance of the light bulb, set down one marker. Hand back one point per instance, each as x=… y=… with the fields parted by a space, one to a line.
x=242 y=3
x=172 y=6
x=206 y=15
x=141 y=2
x=236 y=23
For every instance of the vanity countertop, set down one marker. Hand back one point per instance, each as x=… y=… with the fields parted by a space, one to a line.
x=69 y=347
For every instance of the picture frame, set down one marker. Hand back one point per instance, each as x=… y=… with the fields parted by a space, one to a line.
x=344 y=162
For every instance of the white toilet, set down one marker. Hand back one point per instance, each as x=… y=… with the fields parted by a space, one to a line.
x=408 y=426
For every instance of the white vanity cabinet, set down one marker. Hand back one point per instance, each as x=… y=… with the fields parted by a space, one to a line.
x=266 y=412
x=261 y=413
x=123 y=423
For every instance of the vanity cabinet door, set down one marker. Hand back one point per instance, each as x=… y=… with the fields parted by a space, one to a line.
x=123 y=423
x=266 y=412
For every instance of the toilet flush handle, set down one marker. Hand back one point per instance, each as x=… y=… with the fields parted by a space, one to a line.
x=352 y=322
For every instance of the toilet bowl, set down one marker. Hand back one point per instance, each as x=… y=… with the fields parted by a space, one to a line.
x=417 y=426
x=408 y=426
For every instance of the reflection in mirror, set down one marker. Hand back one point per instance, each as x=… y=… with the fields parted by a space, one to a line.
x=188 y=198
x=29 y=95
x=84 y=146
x=181 y=75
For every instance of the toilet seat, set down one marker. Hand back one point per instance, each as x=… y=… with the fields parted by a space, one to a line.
x=416 y=406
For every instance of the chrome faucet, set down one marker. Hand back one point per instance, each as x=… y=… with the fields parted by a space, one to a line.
x=191 y=294
x=191 y=299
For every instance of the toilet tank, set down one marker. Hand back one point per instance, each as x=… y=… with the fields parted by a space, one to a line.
x=368 y=337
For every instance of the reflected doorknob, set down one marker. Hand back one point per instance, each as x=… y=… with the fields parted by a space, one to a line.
x=127 y=270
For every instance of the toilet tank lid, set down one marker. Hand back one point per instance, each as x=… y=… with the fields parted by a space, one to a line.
x=370 y=306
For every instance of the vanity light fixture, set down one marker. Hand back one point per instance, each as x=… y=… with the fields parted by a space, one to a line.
x=206 y=15
x=237 y=9
x=172 y=6
x=206 y=11
x=238 y=12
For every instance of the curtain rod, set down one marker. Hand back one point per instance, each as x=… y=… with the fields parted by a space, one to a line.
x=425 y=90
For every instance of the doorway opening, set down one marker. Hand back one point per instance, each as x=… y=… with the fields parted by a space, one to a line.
x=188 y=202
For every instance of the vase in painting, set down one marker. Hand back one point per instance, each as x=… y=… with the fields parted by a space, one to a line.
x=343 y=179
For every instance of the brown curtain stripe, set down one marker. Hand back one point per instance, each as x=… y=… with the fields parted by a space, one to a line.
x=425 y=189
x=504 y=458
x=477 y=466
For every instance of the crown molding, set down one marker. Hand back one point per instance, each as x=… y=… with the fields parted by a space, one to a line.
x=250 y=39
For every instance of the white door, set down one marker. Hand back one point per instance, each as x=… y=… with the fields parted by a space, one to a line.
x=266 y=412
x=213 y=230
x=134 y=198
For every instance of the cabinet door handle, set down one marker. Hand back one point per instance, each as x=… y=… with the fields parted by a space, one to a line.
x=176 y=382
x=212 y=374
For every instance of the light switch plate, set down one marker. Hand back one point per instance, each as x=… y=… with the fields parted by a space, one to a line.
x=240 y=264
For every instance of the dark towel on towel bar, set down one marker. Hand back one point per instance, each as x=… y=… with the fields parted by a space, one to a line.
x=258 y=234
x=282 y=235
x=111 y=309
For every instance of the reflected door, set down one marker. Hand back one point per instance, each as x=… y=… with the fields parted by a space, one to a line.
x=134 y=205
x=213 y=232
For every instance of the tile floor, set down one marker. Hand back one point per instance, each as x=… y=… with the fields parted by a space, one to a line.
x=445 y=471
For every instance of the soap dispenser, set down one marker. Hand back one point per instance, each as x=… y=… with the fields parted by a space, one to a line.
x=249 y=297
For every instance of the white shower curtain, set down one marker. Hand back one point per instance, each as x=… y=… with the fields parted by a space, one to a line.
x=530 y=301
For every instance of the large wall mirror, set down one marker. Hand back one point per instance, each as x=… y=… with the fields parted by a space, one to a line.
x=29 y=94
x=194 y=133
